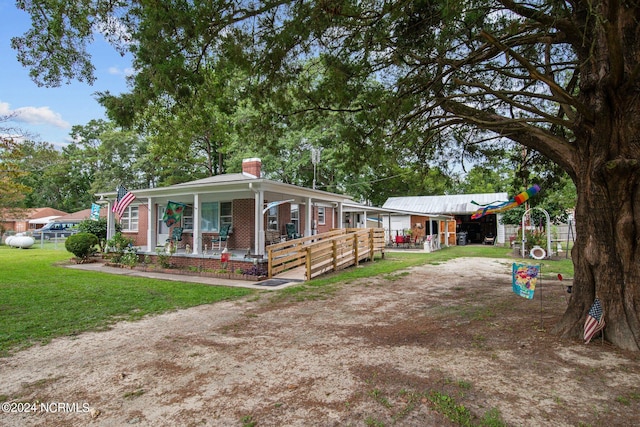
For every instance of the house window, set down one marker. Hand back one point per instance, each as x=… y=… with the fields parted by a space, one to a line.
x=187 y=218
x=209 y=220
x=129 y=219
x=321 y=219
x=226 y=213
x=295 y=216
x=272 y=218
x=215 y=215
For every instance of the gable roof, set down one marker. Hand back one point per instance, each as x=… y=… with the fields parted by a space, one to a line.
x=18 y=214
x=82 y=215
x=459 y=204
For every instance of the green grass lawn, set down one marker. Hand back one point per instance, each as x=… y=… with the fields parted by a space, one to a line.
x=40 y=300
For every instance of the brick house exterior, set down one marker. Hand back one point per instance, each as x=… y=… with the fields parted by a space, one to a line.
x=241 y=200
x=24 y=220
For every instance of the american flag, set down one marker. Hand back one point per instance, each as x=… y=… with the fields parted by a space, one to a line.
x=123 y=199
x=595 y=321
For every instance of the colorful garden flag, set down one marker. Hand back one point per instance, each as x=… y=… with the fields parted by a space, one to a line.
x=95 y=212
x=525 y=278
x=173 y=213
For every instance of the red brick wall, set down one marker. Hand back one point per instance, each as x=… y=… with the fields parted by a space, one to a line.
x=140 y=237
x=243 y=223
x=322 y=228
x=202 y=263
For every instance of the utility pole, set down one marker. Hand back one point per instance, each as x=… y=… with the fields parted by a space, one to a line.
x=315 y=159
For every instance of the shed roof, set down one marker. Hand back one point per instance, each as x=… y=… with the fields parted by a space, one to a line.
x=459 y=204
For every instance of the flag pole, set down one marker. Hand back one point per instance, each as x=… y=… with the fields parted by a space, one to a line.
x=541 y=327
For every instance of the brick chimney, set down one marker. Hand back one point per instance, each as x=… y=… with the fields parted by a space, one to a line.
x=252 y=167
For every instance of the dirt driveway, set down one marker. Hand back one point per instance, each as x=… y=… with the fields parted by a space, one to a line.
x=401 y=349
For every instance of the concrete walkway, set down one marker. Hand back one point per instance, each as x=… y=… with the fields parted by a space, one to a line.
x=274 y=284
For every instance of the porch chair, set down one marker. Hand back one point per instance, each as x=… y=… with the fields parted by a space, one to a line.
x=291 y=231
x=222 y=237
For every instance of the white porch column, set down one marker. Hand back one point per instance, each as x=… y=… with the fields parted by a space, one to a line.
x=446 y=233
x=259 y=222
x=307 y=217
x=197 y=237
x=340 y=216
x=364 y=216
x=111 y=222
x=151 y=225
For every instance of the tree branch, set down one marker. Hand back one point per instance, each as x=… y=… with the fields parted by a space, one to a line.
x=521 y=131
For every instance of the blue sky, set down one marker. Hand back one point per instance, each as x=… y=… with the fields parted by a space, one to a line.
x=49 y=113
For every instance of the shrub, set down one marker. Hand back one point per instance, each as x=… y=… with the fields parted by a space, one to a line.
x=118 y=245
x=163 y=258
x=99 y=228
x=82 y=245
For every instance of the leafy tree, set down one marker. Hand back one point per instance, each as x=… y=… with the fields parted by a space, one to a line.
x=40 y=161
x=12 y=189
x=98 y=229
x=103 y=156
x=559 y=78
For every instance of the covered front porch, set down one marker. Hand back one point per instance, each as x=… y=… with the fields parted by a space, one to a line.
x=298 y=259
x=241 y=213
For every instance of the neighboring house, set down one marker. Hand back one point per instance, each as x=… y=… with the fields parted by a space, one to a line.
x=23 y=220
x=457 y=206
x=256 y=209
x=81 y=215
x=64 y=226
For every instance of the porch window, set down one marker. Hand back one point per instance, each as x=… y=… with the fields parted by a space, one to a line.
x=215 y=215
x=226 y=213
x=295 y=216
x=129 y=219
x=272 y=218
x=321 y=219
x=187 y=218
x=209 y=221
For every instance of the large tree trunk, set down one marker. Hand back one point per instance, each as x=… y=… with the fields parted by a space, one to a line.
x=607 y=255
x=606 y=172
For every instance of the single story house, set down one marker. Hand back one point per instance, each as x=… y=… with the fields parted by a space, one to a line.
x=459 y=207
x=23 y=220
x=257 y=212
x=82 y=215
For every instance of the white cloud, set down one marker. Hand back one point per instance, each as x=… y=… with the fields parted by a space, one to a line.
x=34 y=116
x=4 y=109
x=121 y=72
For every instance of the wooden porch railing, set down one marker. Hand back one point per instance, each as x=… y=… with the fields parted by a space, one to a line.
x=326 y=252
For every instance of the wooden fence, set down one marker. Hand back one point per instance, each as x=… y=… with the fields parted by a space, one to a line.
x=326 y=252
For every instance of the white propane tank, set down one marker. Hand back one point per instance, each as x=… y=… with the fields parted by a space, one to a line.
x=23 y=242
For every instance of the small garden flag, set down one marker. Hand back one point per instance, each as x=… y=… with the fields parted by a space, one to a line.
x=525 y=278
x=95 y=212
x=173 y=213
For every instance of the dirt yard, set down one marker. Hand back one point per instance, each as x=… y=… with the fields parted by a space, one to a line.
x=402 y=349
